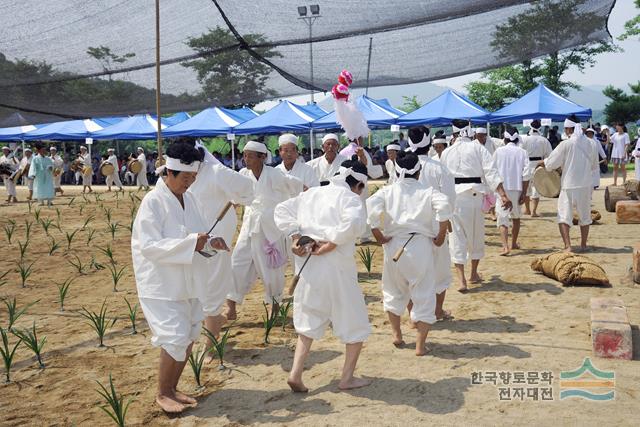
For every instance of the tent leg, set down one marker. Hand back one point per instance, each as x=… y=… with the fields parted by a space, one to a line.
x=233 y=154
x=311 y=142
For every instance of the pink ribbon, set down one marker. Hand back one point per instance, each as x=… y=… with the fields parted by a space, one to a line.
x=488 y=201
x=274 y=257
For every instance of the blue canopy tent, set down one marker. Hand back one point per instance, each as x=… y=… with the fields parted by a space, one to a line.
x=72 y=129
x=446 y=107
x=16 y=133
x=140 y=126
x=284 y=117
x=377 y=112
x=540 y=103
x=175 y=119
x=211 y=122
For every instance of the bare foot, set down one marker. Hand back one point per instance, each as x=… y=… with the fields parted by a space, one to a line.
x=505 y=252
x=399 y=344
x=476 y=278
x=584 y=249
x=463 y=287
x=422 y=350
x=353 y=383
x=297 y=386
x=567 y=249
x=169 y=404
x=183 y=398
x=515 y=246
x=527 y=212
x=535 y=215
x=443 y=315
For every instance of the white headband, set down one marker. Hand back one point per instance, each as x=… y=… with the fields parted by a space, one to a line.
x=577 y=127
x=393 y=147
x=6 y=148
x=481 y=130
x=177 y=165
x=464 y=131
x=82 y=147
x=440 y=141
x=140 y=149
x=255 y=146
x=343 y=173
x=590 y=130
x=330 y=136
x=402 y=171
x=287 y=138
x=426 y=139
x=55 y=149
x=108 y=149
x=511 y=137
x=28 y=150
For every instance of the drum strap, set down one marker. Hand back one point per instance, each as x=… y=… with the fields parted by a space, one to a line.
x=471 y=180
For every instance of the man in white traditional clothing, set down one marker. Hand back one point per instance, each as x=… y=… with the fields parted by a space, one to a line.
x=472 y=168
x=10 y=166
x=260 y=249
x=578 y=159
x=636 y=154
x=327 y=165
x=114 y=178
x=390 y=164
x=141 y=178
x=293 y=164
x=512 y=163
x=407 y=212
x=87 y=169
x=215 y=187
x=590 y=134
x=538 y=148
x=482 y=138
x=25 y=165
x=58 y=169
x=328 y=292
x=439 y=144
x=434 y=174
x=168 y=237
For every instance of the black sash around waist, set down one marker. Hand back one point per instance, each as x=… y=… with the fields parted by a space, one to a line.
x=323 y=183
x=472 y=180
x=535 y=158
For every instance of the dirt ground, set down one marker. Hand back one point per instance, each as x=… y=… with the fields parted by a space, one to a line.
x=515 y=321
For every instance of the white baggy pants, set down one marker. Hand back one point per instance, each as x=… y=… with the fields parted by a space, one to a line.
x=10 y=186
x=411 y=278
x=249 y=261
x=467 y=240
x=114 y=178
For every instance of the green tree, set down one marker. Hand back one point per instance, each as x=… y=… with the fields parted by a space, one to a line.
x=410 y=103
x=632 y=26
x=545 y=27
x=230 y=76
x=623 y=107
x=107 y=58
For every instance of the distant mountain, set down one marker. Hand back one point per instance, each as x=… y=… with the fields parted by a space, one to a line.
x=590 y=96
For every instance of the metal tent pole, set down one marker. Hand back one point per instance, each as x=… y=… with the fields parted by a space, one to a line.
x=159 y=119
x=366 y=91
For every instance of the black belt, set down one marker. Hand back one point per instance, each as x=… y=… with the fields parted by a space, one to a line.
x=535 y=158
x=474 y=180
x=323 y=183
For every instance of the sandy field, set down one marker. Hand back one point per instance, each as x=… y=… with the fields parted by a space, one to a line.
x=516 y=321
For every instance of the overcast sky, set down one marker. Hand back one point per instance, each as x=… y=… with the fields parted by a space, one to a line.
x=616 y=69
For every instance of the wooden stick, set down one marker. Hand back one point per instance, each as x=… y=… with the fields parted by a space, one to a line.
x=296 y=278
x=400 y=251
x=221 y=215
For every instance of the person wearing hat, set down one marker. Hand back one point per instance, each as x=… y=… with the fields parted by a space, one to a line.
x=590 y=134
x=409 y=215
x=578 y=159
x=215 y=187
x=25 y=165
x=168 y=235
x=328 y=292
x=328 y=164
x=260 y=248
x=473 y=170
x=292 y=164
x=512 y=162
x=11 y=165
x=141 y=178
x=58 y=164
x=87 y=169
x=114 y=178
x=483 y=139
x=434 y=175
x=41 y=172
x=439 y=144
x=390 y=165
x=538 y=148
